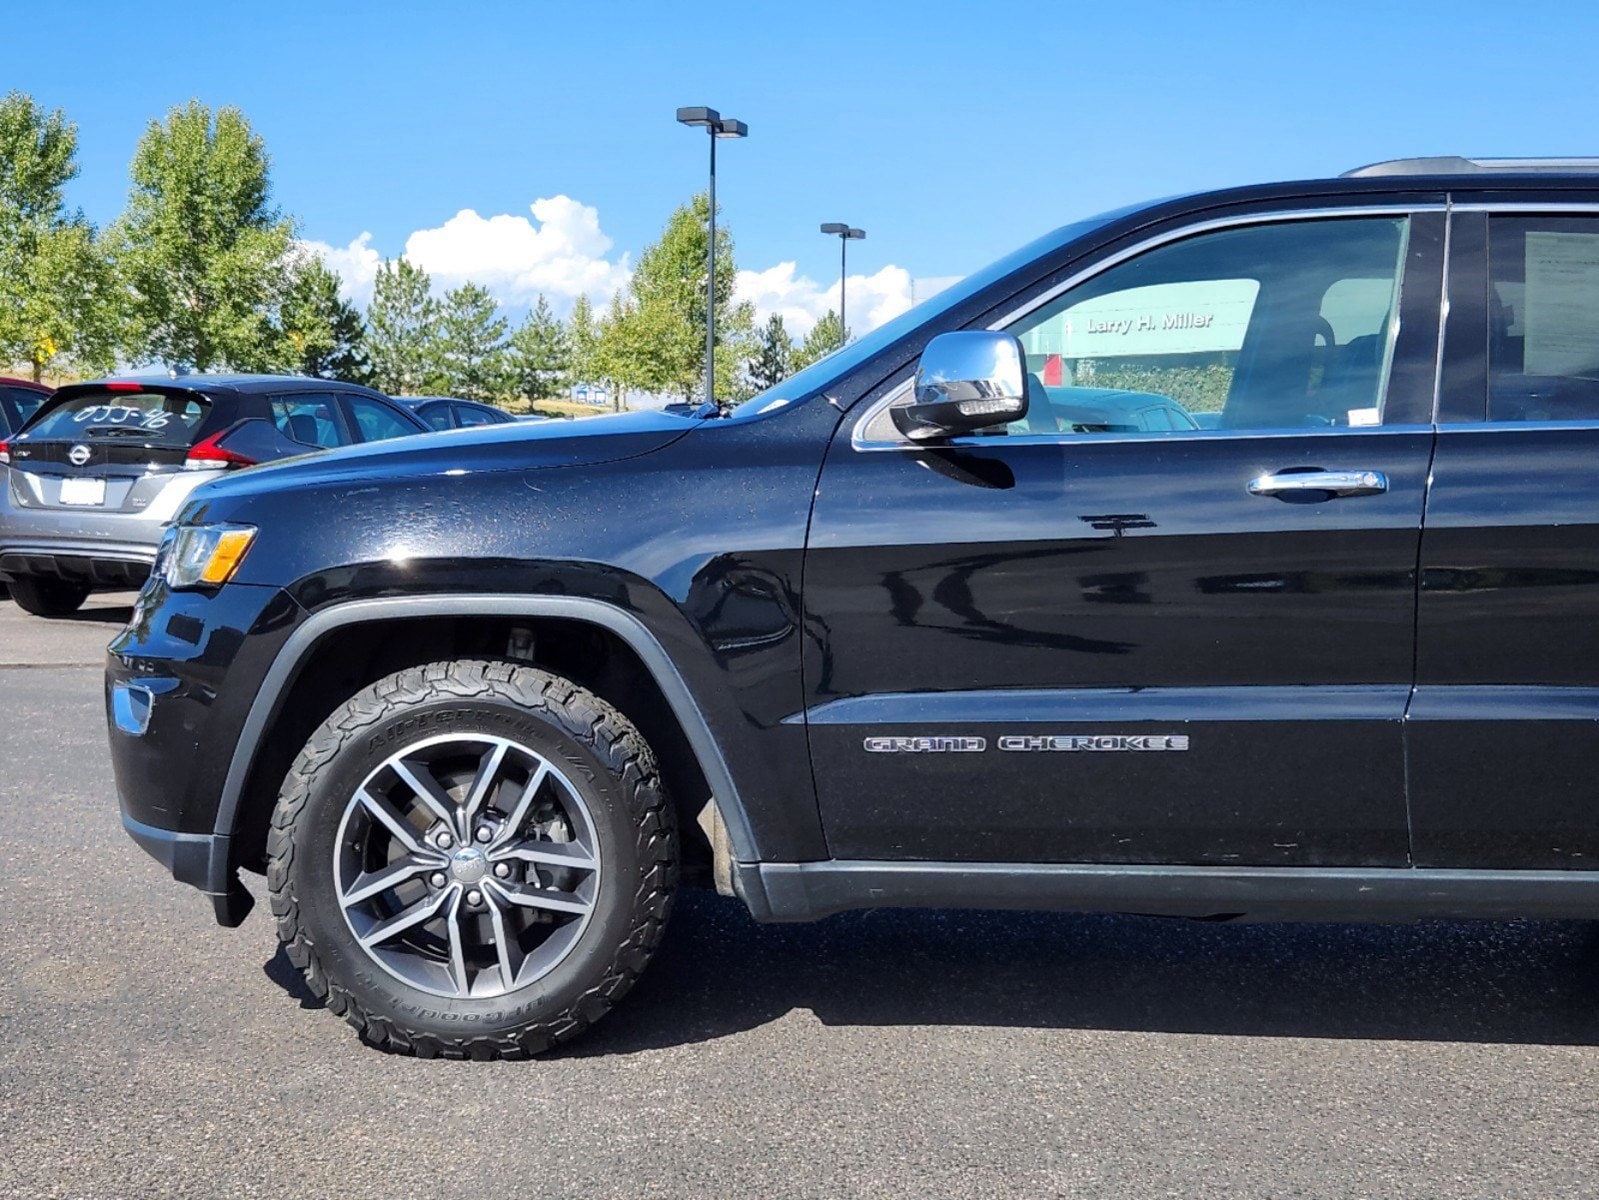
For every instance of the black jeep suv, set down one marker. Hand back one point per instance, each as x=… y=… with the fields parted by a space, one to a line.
x=1304 y=626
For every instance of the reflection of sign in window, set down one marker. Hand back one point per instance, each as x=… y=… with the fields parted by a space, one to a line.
x=1204 y=316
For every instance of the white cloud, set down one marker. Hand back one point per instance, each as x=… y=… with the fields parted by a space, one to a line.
x=801 y=301
x=563 y=253
x=356 y=264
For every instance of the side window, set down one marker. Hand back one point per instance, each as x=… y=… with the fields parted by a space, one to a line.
x=1543 y=319
x=309 y=418
x=17 y=405
x=438 y=416
x=1275 y=326
x=468 y=414
x=376 y=421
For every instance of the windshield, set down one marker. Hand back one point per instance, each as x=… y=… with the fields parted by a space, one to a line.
x=842 y=361
x=148 y=418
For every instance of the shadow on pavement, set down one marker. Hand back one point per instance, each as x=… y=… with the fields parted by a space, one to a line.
x=719 y=973
x=287 y=976
x=119 y=615
x=94 y=612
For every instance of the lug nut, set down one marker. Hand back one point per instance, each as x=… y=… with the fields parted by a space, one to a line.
x=484 y=833
x=437 y=879
x=445 y=841
x=474 y=897
x=501 y=870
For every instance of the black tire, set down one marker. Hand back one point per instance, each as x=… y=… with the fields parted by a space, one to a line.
x=607 y=762
x=48 y=597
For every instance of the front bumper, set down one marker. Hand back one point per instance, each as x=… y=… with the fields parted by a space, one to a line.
x=180 y=680
x=200 y=860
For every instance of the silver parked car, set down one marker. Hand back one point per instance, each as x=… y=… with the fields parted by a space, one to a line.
x=89 y=483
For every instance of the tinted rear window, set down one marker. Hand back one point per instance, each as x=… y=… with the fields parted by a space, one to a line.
x=149 y=418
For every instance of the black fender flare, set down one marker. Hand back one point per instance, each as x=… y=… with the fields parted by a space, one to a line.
x=623 y=624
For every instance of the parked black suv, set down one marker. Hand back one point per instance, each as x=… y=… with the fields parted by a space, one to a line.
x=911 y=629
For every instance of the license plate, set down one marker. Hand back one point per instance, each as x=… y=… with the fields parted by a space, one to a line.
x=83 y=491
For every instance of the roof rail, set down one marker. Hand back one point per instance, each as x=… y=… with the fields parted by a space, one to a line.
x=1454 y=164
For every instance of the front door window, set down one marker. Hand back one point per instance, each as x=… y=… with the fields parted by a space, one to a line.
x=1279 y=326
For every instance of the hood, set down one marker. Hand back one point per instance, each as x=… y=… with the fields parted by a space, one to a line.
x=522 y=446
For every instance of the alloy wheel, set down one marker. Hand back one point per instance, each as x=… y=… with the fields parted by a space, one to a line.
x=467 y=865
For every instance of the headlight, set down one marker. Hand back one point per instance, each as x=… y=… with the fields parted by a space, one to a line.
x=203 y=555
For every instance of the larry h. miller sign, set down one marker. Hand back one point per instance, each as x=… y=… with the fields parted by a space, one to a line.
x=1163 y=318
x=1196 y=318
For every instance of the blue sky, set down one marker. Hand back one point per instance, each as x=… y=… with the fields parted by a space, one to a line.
x=950 y=132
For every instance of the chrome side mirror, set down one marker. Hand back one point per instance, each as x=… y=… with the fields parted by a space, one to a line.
x=965 y=381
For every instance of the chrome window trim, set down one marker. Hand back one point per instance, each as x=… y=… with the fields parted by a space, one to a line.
x=1152 y=435
x=859 y=442
x=1525 y=206
x=1443 y=317
x=1505 y=426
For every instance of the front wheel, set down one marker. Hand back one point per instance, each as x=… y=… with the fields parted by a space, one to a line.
x=472 y=859
x=48 y=597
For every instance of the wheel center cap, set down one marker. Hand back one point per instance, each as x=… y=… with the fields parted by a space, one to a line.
x=469 y=864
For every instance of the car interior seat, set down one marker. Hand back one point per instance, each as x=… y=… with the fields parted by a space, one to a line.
x=303 y=428
x=1352 y=376
x=1041 y=415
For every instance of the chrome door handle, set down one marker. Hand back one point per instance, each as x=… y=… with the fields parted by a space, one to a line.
x=1333 y=483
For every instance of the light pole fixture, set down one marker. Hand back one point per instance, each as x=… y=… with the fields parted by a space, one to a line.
x=845 y=235
x=717 y=126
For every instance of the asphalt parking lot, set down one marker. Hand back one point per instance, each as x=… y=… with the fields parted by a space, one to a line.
x=147 y=1052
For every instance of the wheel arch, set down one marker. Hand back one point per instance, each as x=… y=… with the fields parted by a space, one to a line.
x=380 y=615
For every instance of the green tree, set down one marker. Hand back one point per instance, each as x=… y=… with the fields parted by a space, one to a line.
x=402 y=328
x=470 y=355
x=323 y=333
x=736 y=341
x=826 y=336
x=625 y=355
x=539 y=359
x=583 y=339
x=773 y=359
x=56 y=296
x=200 y=249
x=668 y=287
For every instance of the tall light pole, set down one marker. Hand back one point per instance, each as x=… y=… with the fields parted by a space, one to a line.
x=717 y=126
x=845 y=235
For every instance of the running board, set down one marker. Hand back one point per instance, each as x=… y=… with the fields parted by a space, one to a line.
x=808 y=891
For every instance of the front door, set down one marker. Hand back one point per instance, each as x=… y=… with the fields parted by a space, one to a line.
x=1169 y=616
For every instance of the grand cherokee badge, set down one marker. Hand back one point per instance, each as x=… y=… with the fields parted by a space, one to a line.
x=926 y=745
x=1029 y=742
x=1111 y=741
